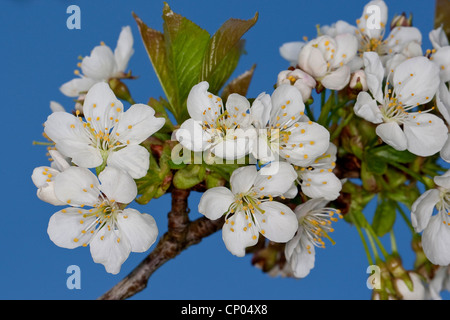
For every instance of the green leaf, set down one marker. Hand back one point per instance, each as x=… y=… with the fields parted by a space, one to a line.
x=239 y=85
x=189 y=176
x=405 y=194
x=375 y=164
x=389 y=154
x=442 y=12
x=158 y=178
x=185 y=44
x=176 y=56
x=223 y=52
x=214 y=179
x=384 y=217
x=155 y=45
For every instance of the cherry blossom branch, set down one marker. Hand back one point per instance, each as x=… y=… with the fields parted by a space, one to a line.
x=181 y=234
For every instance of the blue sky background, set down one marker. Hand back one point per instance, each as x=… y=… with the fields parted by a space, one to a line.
x=39 y=54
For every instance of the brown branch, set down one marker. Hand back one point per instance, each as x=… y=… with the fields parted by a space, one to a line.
x=180 y=235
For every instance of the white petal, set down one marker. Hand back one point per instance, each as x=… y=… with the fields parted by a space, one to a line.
x=392 y=134
x=307 y=141
x=374 y=74
x=435 y=239
x=443 y=180
x=400 y=37
x=124 y=49
x=117 y=185
x=215 y=202
x=346 y=48
x=418 y=292
x=231 y=148
x=238 y=108
x=237 y=234
x=337 y=79
x=373 y=19
x=65 y=228
x=192 y=136
x=77 y=186
x=101 y=108
x=443 y=101
x=135 y=160
x=442 y=59
x=260 y=110
x=426 y=134
x=339 y=27
x=302 y=254
x=71 y=139
x=290 y=51
x=287 y=102
x=261 y=149
x=367 y=108
x=202 y=105
x=317 y=184
x=422 y=209
x=110 y=248
x=312 y=61
x=416 y=81
x=47 y=194
x=278 y=223
x=100 y=65
x=445 y=151
x=75 y=87
x=40 y=176
x=242 y=179
x=137 y=124
x=279 y=181
x=59 y=162
x=139 y=228
x=56 y=107
x=43 y=179
x=438 y=38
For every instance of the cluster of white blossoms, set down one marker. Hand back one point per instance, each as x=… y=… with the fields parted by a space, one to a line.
x=100 y=135
x=289 y=151
x=397 y=80
x=281 y=152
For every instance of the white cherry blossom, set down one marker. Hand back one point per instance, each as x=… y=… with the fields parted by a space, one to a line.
x=314 y=223
x=109 y=135
x=249 y=207
x=299 y=79
x=318 y=180
x=111 y=230
x=435 y=227
x=44 y=178
x=280 y=131
x=102 y=65
x=325 y=59
x=410 y=85
x=213 y=128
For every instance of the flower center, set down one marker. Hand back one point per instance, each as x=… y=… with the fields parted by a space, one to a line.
x=105 y=141
x=317 y=225
x=105 y=213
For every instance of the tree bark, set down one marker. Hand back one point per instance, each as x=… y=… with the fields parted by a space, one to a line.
x=181 y=234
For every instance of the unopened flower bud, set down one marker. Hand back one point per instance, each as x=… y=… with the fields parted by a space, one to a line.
x=401 y=21
x=120 y=90
x=358 y=81
x=406 y=292
x=299 y=79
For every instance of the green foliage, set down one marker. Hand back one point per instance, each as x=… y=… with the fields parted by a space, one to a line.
x=384 y=217
x=185 y=54
x=182 y=55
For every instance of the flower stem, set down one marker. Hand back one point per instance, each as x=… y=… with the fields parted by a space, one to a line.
x=405 y=217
